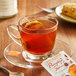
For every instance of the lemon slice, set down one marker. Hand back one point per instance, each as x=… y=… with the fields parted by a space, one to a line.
x=34 y=25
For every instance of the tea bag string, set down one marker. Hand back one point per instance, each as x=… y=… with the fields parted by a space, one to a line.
x=28 y=20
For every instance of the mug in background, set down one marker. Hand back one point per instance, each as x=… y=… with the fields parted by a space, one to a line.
x=8 y=8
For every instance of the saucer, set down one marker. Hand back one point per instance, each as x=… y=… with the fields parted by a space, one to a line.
x=20 y=61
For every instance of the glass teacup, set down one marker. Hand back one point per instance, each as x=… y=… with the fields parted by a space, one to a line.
x=37 y=36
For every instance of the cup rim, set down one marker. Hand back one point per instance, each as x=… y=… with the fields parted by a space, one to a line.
x=39 y=29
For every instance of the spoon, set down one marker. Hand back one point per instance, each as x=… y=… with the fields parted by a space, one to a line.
x=12 y=73
x=51 y=10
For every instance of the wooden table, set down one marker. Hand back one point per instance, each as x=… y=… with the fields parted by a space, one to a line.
x=66 y=32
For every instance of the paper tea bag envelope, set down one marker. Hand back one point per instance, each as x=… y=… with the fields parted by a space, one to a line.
x=60 y=65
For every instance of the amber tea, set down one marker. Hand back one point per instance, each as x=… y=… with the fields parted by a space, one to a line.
x=38 y=37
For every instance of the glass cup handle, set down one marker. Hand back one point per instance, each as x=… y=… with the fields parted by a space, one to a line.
x=14 y=34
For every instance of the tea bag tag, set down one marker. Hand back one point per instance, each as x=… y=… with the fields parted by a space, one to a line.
x=60 y=65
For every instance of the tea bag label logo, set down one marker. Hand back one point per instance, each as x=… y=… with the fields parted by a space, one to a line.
x=56 y=65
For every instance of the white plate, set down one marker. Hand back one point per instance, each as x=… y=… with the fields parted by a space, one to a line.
x=64 y=17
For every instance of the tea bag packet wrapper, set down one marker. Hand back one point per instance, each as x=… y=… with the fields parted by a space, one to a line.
x=60 y=65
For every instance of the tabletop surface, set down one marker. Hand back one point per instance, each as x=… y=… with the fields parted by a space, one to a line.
x=66 y=32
